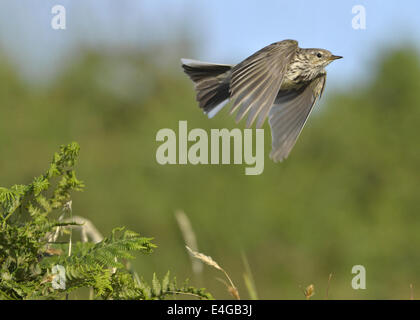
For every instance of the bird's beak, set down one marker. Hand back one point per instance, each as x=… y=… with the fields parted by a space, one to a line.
x=335 y=57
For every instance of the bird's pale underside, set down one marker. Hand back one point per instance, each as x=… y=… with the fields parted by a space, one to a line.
x=280 y=81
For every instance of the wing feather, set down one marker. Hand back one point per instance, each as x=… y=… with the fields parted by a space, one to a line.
x=248 y=99
x=289 y=114
x=256 y=81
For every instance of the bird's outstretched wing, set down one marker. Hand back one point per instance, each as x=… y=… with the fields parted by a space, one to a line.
x=288 y=116
x=256 y=81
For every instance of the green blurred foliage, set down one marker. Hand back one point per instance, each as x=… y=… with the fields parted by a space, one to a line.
x=347 y=195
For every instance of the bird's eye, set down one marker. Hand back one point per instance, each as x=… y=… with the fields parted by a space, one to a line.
x=319 y=55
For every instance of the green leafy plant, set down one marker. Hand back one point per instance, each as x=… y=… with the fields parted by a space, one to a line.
x=33 y=219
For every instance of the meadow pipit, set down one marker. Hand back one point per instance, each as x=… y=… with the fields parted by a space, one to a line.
x=281 y=81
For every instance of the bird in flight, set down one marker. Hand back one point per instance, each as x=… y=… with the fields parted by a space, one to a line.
x=281 y=81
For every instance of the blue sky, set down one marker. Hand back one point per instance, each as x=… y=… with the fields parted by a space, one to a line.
x=228 y=31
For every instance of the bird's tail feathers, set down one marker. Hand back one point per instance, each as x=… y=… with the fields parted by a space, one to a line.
x=211 y=84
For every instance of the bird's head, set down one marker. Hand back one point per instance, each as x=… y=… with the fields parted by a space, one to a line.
x=319 y=58
x=311 y=62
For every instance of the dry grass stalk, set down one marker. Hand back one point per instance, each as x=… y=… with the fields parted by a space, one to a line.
x=53 y=252
x=328 y=286
x=87 y=229
x=309 y=291
x=233 y=291
x=189 y=239
x=206 y=259
x=209 y=261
